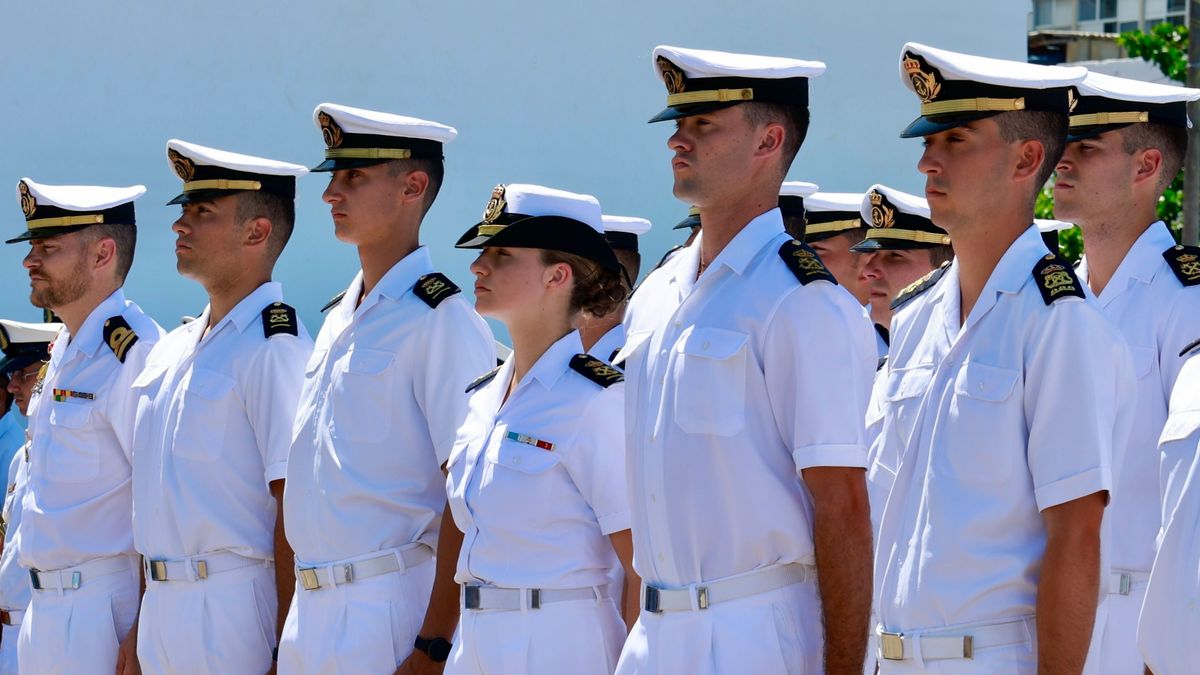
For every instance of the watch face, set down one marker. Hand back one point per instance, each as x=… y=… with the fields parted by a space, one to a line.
x=439 y=650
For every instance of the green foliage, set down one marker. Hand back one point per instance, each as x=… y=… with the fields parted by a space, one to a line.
x=1165 y=45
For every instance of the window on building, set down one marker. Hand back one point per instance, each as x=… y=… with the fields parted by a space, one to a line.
x=1176 y=5
x=1119 y=26
x=1087 y=10
x=1043 y=12
x=1108 y=9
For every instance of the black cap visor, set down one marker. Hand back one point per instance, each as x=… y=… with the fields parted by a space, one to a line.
x=554 y=233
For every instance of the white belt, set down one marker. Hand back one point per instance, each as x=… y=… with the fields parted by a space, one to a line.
x=490 y=597
x=1122 y=583
x=72 y=578
x=895 y=646
x=331 y=574
x=703 y=596
x=198 y=567
x=12 y=617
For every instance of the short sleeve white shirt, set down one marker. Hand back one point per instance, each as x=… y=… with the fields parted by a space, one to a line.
x=79 y=500
x=213 y=429
x=14 y=579
x=1170 y=619
x=1158 y=316
x=382 y=401
x=537 y=482
x=735 y=382
x=989 y=423
x=610 y=343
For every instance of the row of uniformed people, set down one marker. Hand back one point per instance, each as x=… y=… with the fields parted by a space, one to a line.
x=749 y=374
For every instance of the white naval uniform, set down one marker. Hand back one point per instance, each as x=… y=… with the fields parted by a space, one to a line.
x=735 y=382
x=987 y=424
x=610 y=343
x=76 y=514
x=1170 y=615
x=382 y=400
x=214 y=425
x=540 y=517
x=14 y=579
x=1157 y=315
x=12 y=434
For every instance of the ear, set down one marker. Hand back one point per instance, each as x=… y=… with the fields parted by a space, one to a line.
x=770 y=140
x=414 y=187
x=258 y=231
x=558 y=275
x=1030 y=156
x=1148 y=166
x=103 y=253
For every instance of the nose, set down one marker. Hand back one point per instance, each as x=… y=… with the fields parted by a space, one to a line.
x=332 y=193
x=871 y=268
x=30 y=260
x=929 y=164
x=479 y=266
x=1066 y=162
x=12 y=387
x=179 y=227
x=678 y=141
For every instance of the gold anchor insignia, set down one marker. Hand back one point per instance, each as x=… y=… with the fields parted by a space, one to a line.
x=28 y=202
x=1071 y=100
x=882 y=215
x=925 y=83
x=184 y=167
x=1056 y=279
x=433 y=287
x=604 y=370
x=279 y=316
x=807 y=261
x=672 y=76
x=1188 y=265
x=495 y=205
x=330 y=131
x=3 y=339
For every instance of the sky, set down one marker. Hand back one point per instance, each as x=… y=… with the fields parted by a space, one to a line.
x=548 y=92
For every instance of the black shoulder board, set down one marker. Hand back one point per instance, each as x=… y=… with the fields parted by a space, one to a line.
x=667 y=256
x=435 y=287
x=1055 y=279
x=1185 y=263
x=804 y=262
x=614 y=353
x=483 y=379
x=1191 y=345
x=119 y=336
x=883 y=333
x=882 y=362
x=333 y=303
x=918 y=287
x=280 y=319
x=596 y=370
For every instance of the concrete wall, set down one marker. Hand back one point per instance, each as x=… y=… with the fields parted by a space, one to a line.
x=541 y=91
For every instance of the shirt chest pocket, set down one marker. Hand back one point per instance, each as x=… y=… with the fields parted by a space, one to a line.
x=1143 y=360
x=71 y=455
x=523 y=458
x=988 y=416
x=710 y=382
x=902 y=395
x=362 y=396
x=208 y=403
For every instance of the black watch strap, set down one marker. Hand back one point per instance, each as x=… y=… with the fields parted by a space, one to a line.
x=437 y=649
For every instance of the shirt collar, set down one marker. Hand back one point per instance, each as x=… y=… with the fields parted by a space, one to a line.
x=247 y=311
x=398 y=280
x=555 y=361
x=1014 y=270
x=1144 y=258
x=91 y=333
x=738 y=253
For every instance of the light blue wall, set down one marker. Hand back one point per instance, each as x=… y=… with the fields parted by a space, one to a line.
x=545 y=92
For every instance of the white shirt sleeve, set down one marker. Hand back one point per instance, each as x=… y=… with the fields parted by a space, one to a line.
x=818 y=361
x=595 y=459
x=1078 y=380
x=122 y=400
x=271 y=387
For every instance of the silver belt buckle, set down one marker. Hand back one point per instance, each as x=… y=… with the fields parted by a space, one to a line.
x=158 y=570
x=650 y=600
x=34 y=581
x=535 y=598
x=891 y=646
x=470 y=597
x=308 y=578
x=1126 y=583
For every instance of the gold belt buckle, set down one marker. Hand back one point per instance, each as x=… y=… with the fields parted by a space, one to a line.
x=891 y=646
x=308 y=578
x=158 y=570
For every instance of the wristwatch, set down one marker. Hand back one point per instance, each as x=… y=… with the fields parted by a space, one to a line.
x=437 y=649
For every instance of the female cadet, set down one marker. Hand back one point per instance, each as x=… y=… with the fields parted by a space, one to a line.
x=536 y=478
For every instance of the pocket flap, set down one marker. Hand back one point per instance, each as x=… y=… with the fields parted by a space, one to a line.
x=905 y=383
x=1143 y=360
x=208 y=384
x=632 y=342
x=713 y=343
x=69 y=415
x=149 y=375
x=985 y=383
x=369 y=361
x=525 y=458
x=1180 y=425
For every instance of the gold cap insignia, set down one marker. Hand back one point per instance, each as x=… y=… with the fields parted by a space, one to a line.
x=882 y=215
x=925 y=82
x=495 y=205
x=3 y=339
x=330 y=130
x=28 y=203
x=1071 y=100
x=184 y=167
x=1056 y=277
x=672 y=76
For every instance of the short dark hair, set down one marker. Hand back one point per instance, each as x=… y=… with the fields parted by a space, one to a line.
x=794 y=119
x=125 y=239
x=598 y=290
x=1171 y=141
x=434 y=168
x=280 y=210
x=938 y=255
x=1047 y=128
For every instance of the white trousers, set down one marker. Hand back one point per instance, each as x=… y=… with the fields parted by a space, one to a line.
x=8 y=650
x=78 y=632
x=1114 y=648
x=777 y=632
x=368 y=626
x=224 y=625
x=580 y=637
